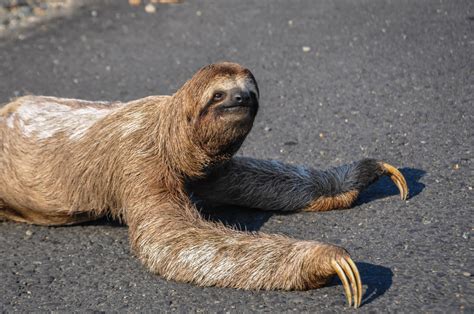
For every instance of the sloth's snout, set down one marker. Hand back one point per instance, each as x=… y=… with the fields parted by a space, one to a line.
x=241 y=98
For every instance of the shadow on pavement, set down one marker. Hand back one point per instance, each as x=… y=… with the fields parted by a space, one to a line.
x=104 y=221
x=378 y=280
x=385 y=187
x=240 y=218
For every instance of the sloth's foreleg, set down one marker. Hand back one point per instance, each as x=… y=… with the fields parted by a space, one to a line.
x=172 y=240
x=273 y=185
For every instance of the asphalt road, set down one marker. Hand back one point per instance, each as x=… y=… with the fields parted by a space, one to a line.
x=387 y=79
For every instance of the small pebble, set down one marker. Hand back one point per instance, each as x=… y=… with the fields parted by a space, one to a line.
x=166 y=1
x=29 y=233
x=198 y=13
x=134 y=2
x=456 y=167
x=466 y=274
x=267 y=129
x=306 y=49
x=150 y=8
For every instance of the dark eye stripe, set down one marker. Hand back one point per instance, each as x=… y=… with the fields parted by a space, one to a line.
x=218 y=96
x=210 y=103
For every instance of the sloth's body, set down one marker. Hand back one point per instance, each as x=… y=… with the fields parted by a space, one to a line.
x=65 y=161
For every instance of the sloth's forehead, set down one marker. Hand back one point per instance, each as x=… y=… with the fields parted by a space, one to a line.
x=242 y=82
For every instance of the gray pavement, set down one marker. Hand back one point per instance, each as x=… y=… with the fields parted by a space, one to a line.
x=386 y=79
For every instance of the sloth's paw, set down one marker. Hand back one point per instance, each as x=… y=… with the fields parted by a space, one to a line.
x=397 y=178
x=370 y=170
x=348 y=273
x=328 y=260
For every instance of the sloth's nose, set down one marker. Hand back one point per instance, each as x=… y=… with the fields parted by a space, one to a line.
x=241 y=97
x=238 y=97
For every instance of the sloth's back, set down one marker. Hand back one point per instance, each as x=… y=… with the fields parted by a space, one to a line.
x=40 y=118
x=33 y=131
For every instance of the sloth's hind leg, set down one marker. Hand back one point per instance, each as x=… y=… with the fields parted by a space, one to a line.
x=8 y=213
x=52 y=218
x=4 y=212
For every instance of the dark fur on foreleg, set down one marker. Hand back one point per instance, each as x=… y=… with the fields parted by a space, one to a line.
x=272 y=185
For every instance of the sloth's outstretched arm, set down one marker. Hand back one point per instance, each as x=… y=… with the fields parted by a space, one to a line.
x=273 y=185
x=171 y=239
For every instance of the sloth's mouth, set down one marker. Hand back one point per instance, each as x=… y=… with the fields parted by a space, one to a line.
x=237 y=106
x=240 y=102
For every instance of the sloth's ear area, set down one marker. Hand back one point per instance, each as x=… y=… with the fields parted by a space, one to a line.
x=254 y=81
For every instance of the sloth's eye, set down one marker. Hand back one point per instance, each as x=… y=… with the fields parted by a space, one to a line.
x=218 y=96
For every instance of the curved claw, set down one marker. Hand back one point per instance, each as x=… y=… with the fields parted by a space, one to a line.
x=397 y=178
x=357 y=277
x=345 y=268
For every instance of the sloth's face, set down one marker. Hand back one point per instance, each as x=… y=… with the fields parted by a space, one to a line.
x=226 y=108
x=230 y=99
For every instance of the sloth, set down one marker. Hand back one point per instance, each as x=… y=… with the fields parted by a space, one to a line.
x=67 y=161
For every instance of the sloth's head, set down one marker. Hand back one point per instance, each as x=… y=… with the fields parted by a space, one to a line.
x=221 y=107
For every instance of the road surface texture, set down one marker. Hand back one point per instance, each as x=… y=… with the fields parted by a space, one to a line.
x=340 y=80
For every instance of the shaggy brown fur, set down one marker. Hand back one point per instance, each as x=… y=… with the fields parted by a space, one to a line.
x=64 y=161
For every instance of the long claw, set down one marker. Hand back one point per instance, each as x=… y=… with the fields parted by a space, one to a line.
x=343 y=278
x=397 y=178
x=358 y=281
x=349 y=273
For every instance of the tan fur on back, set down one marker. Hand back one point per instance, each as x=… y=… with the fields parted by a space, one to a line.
x=58 y=155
